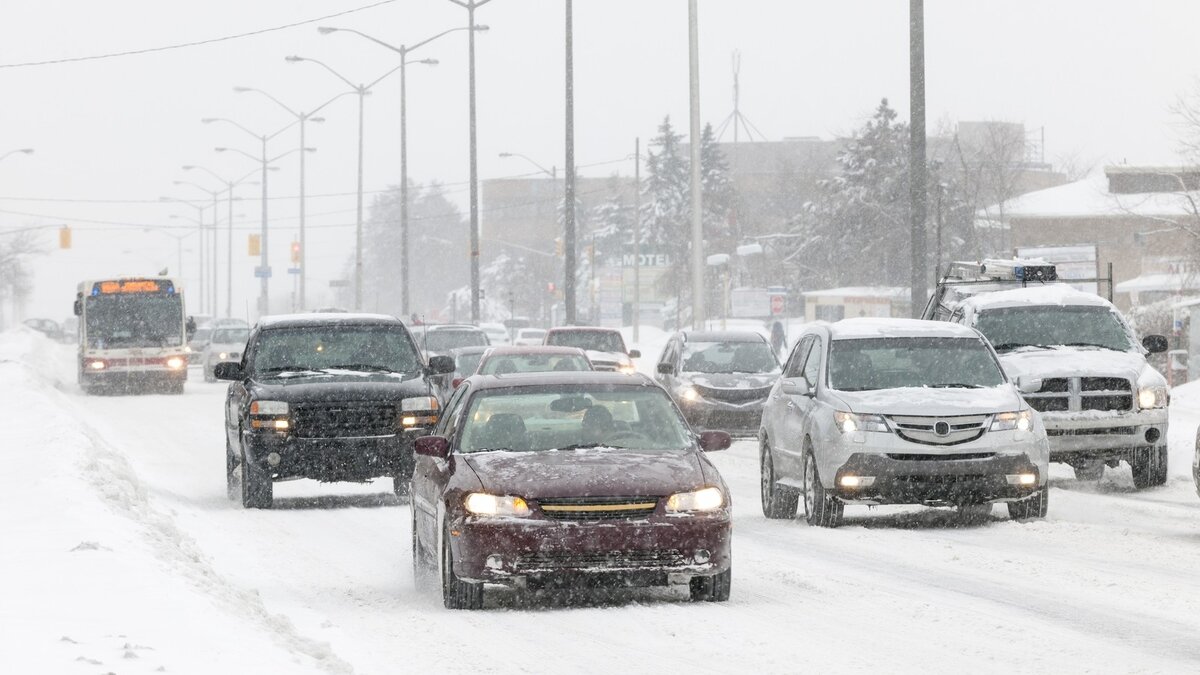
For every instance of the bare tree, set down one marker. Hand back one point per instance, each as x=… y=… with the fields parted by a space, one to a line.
x=15 y=276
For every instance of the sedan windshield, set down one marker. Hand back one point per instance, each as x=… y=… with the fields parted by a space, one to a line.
x=1050 y=326
x=344 y=347
x=503 y=364
x=892 y=363
x=567 y=417
x=595 y=340
x=729 y=357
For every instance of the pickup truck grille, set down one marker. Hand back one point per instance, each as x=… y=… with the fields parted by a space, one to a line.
x=344 y=420
x=940 y=430
x=1068 y=394
x=598 y=508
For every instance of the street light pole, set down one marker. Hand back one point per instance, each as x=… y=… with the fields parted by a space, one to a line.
x=569 y=179
x=199 y=220
x=229 y=185
x=637 y=236
x=698 y=266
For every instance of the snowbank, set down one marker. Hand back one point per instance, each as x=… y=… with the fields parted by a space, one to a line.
x=95 y=575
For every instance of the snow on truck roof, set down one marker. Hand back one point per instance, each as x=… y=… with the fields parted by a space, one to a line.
x=326 y=318
x=1049 y=294
x=853 y=329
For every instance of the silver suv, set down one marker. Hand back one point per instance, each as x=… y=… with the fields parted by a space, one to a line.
x=899 y=411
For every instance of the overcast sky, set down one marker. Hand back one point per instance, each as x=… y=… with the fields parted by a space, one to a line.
x=1098 y=76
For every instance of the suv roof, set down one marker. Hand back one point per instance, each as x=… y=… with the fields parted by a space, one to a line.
x=1050 y=294
x=583 y=329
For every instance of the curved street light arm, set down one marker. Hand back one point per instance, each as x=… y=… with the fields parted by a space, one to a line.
x=242 y=153
x=296 y=59
x=314 y=111
x=281 y=104
x=194 y=205
x=284 y=128
x=210 y=120
x=199 y=187
x=382 y=77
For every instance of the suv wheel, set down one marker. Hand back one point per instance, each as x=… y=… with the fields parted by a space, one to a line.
x=457 y=594
x=1149 y=467
x=257 y=488
x=231 y=465
x=1034 y=507
x=820 y=508
x=711 y=589
x=777 y=501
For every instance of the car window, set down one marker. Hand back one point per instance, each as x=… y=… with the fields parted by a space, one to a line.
x=812 y=364
x=1050 y=325
x=729 y=357
x=335 y=347
x=795 y=364
x=453 y=412
x=890 y=363
x=503 y=364
x=595 y=340
x=224 y=336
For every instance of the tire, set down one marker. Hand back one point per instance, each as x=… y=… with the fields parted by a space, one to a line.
x=777 y=501
x=400 y=486
x=1149 y=467
x=457 y=594
x=715 y=588
x=974 y=513
x=1092 y=471
x=257 y=488
x=231 y=479
x=422 y=571
x=1033 y=508
x=821 y=509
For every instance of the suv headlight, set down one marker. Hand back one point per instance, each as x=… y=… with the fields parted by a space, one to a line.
x=269 y=415
x=484 y=504
x=1153 y=397
x=705 y=499
x=418 y=411
x=1021 y=420
x=849 y=422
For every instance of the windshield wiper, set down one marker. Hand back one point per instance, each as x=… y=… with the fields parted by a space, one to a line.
x=298 y=370
x=1091 y=344
x=363 y=367
x=586 y=446
x=1009 y=346
x=954 y=385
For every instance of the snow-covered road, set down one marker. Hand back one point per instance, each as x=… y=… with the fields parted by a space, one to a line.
x=323 y=583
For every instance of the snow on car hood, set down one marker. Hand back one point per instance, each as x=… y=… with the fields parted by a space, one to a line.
x=610 y=357
x=732 y=380
x=587 y=472
x=931 y=401
x=1072 y=362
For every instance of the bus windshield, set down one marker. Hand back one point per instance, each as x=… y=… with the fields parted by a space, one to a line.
x=129 y=320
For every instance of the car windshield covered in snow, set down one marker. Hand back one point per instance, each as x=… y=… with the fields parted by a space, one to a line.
x=134 y=320
x=595 y=340
x=551 y=417
x=729 y=357
x=1053 y=325
x=504 y=364
x=335 y=347
x=892 y=363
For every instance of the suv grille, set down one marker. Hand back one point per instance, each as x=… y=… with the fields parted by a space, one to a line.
x=1061 y=394
x=598 y=508
x=345 y=420
x=940 y=430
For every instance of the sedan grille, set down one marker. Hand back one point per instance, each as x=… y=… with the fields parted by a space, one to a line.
x=344 y=420
x=940 y=430
x=598 y=508
x=604 y=560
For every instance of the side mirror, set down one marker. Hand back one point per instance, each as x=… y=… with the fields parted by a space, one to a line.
x=440 y=365
x=227 y=371
x=437 y=447
x=666 y=368
x=795 y=386
x=1156 y=344
x=455 y=382
x=78 y=308
x=635 y=354
x=711 y=441
x=1028 y=385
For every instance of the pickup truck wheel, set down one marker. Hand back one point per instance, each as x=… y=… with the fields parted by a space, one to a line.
x=231 y=465
x=457 y=594
x=715 y=588
x=1034 y=507
x=1089 y=471
x=257 y=488
x=821 y=509
x=1149 y=467
x=777 y=501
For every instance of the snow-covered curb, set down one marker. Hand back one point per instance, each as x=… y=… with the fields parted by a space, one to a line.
x=93 y=573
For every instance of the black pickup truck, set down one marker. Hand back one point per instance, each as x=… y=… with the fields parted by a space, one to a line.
x=332 y=397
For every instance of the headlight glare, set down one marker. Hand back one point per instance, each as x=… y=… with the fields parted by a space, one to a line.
x=419 y=403
x=484 y=504
x=1020 y=420
x=705 y=499
x=848 y=422
x=1152 y=397
x=689 y=393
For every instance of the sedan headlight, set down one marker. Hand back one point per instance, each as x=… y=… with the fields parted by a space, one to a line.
x=688 y=393
x=1021 y=420
x=705 y=499
x=484 y=504
x=849 y=422
x=1153 y=397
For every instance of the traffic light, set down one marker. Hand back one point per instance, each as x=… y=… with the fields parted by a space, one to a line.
x=295 y=253
x=254 y=245
x=550 y=287
x=64 y=236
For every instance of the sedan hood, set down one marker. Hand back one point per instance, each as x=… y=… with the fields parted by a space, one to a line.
x=590 y=472
x=1072 y=362
x=929 y=401
x=340 y=386
x=610 y=357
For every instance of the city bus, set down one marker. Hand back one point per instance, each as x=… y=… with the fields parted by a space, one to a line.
x=133 y=335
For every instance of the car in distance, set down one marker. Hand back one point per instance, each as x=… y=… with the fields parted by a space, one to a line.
x=225 y=346
x=899 y=411
x=435 y=338
x=558 y=480
x=604 y=346
x=527 y=337
x=331 y=397
x=496 y=332
x=196 y=344
x=509 y=360
x=466 y=361
x=719 y=379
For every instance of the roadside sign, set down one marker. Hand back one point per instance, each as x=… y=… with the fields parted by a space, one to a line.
x=778 y=302
x=293 y=270
x=262 y=272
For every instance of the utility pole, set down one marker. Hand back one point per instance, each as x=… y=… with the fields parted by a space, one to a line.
x=916 y=159
x=637 y=236
x=698 y=313
x=264 y=293
x=569 y=179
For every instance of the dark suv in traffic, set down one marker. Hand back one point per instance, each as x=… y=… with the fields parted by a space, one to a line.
x=332 y=397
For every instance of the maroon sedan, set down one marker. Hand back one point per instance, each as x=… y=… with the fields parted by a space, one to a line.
x=562 y=480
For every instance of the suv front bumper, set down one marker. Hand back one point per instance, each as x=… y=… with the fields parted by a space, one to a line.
x=923 y=479
x=1111 y=436
x=332 y=459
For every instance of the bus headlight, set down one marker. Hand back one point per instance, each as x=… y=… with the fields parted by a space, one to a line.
x=96 y=365
x=175 y=363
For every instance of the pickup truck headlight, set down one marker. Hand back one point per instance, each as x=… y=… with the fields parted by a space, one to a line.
x=849 y=422
x=1021 y=420
x=688 y=393
x=418 y=411
x=484 y=504
x=1153 y=397
x=705 y=499
x=269 y=415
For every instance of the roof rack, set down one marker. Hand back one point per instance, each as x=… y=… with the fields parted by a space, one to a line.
x=999 y=274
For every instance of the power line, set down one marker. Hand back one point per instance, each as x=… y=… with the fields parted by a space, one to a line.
x=149 y=50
